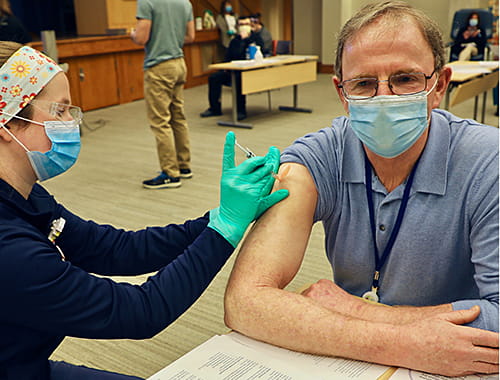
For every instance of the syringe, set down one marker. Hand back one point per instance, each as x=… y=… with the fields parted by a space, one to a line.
x=250 y=154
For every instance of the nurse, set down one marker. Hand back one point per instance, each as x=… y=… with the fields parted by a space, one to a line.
x=47 y=253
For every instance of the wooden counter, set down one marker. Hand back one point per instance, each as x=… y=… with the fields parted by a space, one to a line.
x=107 y=70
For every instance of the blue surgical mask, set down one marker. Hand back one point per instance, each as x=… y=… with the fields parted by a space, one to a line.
x=229 y=8
x=65 y=138
x=473 y=22
x=389 y=124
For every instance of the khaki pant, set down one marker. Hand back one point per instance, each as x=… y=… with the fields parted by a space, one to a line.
x=468 y=52
x=164 y=96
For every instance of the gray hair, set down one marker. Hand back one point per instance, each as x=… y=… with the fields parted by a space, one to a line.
x=394 y=11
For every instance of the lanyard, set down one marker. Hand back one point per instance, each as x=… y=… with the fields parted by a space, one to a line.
x=380 y=260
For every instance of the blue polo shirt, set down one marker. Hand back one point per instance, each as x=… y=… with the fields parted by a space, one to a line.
x=447 y=248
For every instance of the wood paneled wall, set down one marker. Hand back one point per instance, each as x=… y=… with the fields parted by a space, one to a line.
x=242 y=7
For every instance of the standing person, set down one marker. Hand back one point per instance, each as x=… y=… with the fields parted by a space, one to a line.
x=11 y=28
x=408 y=198
x=48 y=254
x=163 y=27
x=264 y=33
x=237 y=51
x=471 y=39
x=227 y=22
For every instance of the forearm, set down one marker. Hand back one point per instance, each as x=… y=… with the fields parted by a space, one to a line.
x=295 y=322
x=397 y=315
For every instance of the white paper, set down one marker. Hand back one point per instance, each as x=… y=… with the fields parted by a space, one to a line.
x=236 y=357
x=408 y=374
x=466 y=69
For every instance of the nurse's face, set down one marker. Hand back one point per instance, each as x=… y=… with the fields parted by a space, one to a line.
x=33 y=135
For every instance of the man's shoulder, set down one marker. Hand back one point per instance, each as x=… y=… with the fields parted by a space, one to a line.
x=464 y=128
x=323 y=140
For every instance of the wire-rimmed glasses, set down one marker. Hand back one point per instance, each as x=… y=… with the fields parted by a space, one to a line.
x=400 y=84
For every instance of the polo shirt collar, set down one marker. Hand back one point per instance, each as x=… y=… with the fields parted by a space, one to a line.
x=431 y=175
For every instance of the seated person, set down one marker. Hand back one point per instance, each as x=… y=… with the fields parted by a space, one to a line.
x=470 y=41
x=237 y=50
x=265 y=34
x=408 y=197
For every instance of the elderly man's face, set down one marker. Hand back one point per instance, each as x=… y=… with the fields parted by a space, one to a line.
x=380 y=50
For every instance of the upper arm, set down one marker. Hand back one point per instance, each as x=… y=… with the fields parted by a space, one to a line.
x=273 y=251
x=189 y=37
x=142 y=31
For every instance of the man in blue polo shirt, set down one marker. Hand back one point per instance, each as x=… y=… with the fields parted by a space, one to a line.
x=408 y=197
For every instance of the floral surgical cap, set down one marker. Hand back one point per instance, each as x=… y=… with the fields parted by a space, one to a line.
x=22 y=77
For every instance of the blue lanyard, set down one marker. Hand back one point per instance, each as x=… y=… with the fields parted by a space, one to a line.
x=380 y=261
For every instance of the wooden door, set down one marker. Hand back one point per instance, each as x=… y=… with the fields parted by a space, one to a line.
x=130 y=75
x=98 y=86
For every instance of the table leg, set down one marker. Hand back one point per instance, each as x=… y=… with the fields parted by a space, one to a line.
x=483 y=111
x=234 y=122
x=295 y=102
x=476 y=98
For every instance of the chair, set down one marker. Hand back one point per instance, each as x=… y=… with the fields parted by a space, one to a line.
x=282 y=47
x=460 y=20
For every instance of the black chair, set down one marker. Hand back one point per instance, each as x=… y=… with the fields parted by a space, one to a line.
x=282 y=47
x=460 y=20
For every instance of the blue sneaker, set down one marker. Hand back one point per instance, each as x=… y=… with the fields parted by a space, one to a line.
x=163 y=181
x=186 y=173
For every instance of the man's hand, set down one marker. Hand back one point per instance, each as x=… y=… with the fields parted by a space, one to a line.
x=440 y=345
x=331 y=296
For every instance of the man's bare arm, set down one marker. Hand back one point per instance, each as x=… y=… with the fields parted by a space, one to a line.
x=257 y=305
x=140 y=35
x=190 y=32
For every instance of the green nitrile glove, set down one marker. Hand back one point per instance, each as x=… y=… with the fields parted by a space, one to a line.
x=244 y=192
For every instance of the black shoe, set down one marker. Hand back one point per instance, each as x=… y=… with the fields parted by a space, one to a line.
x=209 y=112
x=186 y=173
x=163 y=181
x=242 y=115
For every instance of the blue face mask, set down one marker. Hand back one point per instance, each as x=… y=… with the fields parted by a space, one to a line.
x=65 y=138
x=229 y=8
x=389 y=124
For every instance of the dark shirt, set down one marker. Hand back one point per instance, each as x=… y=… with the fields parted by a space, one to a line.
x=11 y=29
x=238 y=47
x=267 y=39
x=43 y=298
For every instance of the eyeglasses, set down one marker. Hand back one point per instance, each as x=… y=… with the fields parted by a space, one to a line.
x=400 y=84
x=60 y=111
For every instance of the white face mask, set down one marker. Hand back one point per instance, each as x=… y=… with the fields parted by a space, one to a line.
x=247 y=29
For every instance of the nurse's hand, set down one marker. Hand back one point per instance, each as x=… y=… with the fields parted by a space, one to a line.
x=244 y=192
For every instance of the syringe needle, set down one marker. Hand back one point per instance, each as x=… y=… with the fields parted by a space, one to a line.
x=250 y=154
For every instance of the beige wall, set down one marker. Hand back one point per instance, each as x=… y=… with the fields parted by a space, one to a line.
x=317 y=22
x=307 y=33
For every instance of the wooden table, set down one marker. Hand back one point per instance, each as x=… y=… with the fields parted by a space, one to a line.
x=471 y=79
x=272 y=73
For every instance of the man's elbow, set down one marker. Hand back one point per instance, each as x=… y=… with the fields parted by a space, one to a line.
x=140 y=40
x=231 y=311
x=188 y=38
x=237 y=307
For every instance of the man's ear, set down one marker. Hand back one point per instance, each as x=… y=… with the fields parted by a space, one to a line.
x=442 y=86
x=336 y=82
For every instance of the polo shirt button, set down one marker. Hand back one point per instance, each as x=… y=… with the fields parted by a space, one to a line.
x=381 y=227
